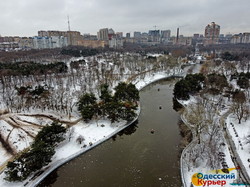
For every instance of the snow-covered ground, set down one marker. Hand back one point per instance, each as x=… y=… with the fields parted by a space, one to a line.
x=189 y=166
x=239 y=134
x=92 y=134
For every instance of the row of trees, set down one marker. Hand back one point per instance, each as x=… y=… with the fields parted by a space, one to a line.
x=31 y=68
x=121 y=105
x=78 y=52
x=193 y=83
x=38 y=156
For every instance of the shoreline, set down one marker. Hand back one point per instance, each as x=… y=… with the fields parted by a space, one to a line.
x=183 y=153
x=30 y=182
x=41 y=177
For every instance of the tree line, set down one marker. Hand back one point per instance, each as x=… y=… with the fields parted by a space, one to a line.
x=31 y=68
x=78 y=52
x=217 y=85
x=120 y=105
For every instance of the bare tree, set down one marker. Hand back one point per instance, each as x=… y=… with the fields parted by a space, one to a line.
x=239 y=105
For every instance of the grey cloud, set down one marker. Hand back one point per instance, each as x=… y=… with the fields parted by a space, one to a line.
x=26 y=17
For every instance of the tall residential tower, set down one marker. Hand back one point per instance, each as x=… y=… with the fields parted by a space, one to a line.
x=212 y=33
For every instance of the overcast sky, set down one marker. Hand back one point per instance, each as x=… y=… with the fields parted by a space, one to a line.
x=26 y=17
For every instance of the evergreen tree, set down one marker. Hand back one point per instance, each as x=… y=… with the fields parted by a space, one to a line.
x=87 y=106
x=113 y=109
x=51 y=134
x=182 y=89
x=105 y=93
x=120 y=92
x=38 y=156
x=126 y=92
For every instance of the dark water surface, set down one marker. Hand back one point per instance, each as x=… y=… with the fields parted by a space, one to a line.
x=135 y=157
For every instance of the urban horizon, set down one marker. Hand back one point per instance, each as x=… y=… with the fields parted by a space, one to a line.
x=182 y=31
x=107 y=37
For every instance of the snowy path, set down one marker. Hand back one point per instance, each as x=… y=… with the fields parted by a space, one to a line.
x=243 y=175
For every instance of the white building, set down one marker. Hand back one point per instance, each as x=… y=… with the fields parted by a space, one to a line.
x=59 y=41
x=42 y=42
x=46 y=42
x=240 y=38
x=116 y=43
x=103 y=34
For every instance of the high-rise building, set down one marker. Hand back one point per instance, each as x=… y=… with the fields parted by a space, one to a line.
x=119 y=34
x=128 y=35
x=42 y=42
x=137 y=35
x=212 y=32
x=115 y=42
x=25 y=43
x=111 y=31
x=154 y=35
x=165 y=33
x=240 y=38
x=196 y=36
x=165 y=36
x=73 y=37
x=103 y=34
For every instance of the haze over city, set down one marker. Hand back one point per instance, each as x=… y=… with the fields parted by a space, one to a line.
x=26 y=17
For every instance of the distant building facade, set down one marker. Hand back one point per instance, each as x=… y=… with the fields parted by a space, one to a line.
x=93 y=43
x=89 y=37
x=16 y=42
x=25 y=43
x=73 y=37
x=42 y=42
x=243 y=38
x=181 y=40
x=212 y=33
x=103 y=34
x=165 y=36
x=119 y=34
x=116 y=42
x=154 y=36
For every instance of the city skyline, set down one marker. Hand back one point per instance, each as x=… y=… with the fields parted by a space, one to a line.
x=26 y=17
